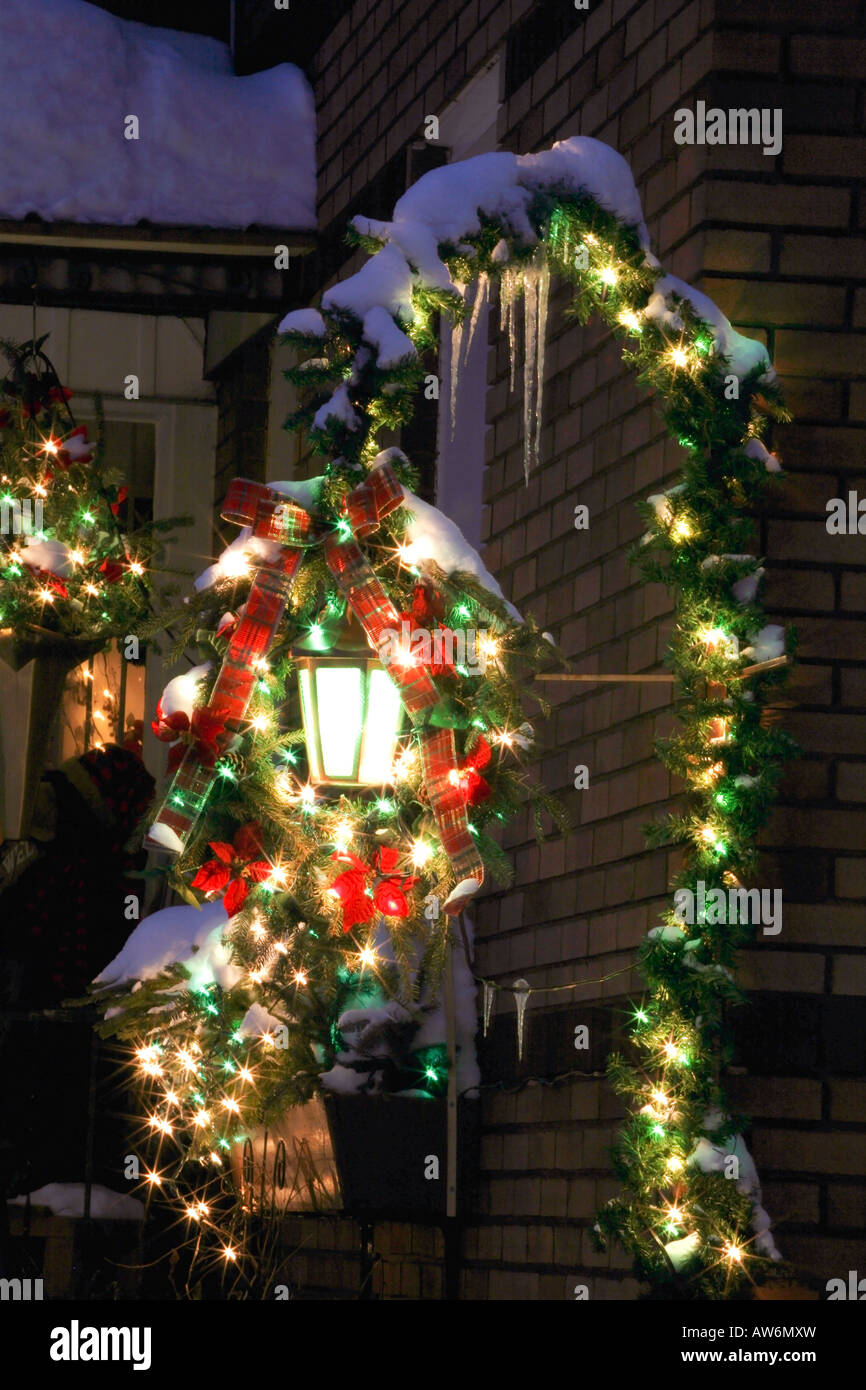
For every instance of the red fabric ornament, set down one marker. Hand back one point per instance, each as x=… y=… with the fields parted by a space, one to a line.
x=467 y=778
x=119 y=500
x=428 y=605
x=76 y=448
x=112 y=571
x=234 y=864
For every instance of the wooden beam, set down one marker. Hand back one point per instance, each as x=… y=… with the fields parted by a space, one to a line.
x=572 y=676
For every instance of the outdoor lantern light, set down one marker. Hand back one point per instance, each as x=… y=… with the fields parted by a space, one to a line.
x=351 y=708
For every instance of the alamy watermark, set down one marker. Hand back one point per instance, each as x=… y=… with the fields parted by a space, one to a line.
x=20 y=518
x=466 y=649
x=720 y=906
x=737 y=126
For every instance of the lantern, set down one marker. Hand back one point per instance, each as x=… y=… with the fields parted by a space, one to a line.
x=351 y=708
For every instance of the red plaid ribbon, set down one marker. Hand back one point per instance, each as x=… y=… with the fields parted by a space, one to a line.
x=277 y=518
x=439 y=759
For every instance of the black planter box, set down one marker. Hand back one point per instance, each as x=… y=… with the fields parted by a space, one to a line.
x=382 y=1146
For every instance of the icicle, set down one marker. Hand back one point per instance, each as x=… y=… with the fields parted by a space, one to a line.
x=536 y=297
x=488 y=998
x=521 y=998
x=479 y=304
x=507 y=295
x=456 y=342
x=530 y=364
x=543 y=302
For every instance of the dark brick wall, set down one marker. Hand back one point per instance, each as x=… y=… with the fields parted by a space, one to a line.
x=779 y=245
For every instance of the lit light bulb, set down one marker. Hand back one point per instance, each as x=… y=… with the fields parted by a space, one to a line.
x=674 y=1164
x=660 y=1098
x=229 y=1253
x=40 y=491
x=671 y=1050
x=231 y=1104
x=608 y=275
x=629 y=320
x=678 y=357
x=708 y=834
x=91 y=589
x=343 y=835
x=300 y=978
x=50 y=446
x=200 y=1119
x=46 y=595
x=260 y=722
x=154 y=1179
x=681 y=529
x=733 y=1253
x=136 y=567
x=367 y=955
x=234 y=564
x=422 y=853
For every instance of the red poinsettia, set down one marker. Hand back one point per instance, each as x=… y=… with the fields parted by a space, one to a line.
x=205 y=732
x=467 y=778
x=236 y=864
x=389 y=889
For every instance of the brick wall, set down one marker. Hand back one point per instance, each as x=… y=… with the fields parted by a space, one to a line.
x=775 y=242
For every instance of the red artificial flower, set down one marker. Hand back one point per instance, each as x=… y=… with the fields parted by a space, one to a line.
x=389 y=892
x=472 y=787
x=119 y=500
x=234 y=864
x=54 y=583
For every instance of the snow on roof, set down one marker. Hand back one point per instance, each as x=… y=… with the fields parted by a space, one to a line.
x=214 y=149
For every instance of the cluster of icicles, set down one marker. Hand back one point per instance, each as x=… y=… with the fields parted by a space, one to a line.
x=533 y=282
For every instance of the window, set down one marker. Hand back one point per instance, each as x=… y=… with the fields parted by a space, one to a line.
x=535 y=38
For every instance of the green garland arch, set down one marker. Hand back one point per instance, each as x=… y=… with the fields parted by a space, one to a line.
x=691 y=1232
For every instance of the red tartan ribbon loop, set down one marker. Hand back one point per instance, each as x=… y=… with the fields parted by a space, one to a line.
x=273 y=516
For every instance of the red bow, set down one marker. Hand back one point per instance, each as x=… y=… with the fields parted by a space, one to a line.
x=236 y=865
x=389 y=891
x=206 y=732
x=467 y=779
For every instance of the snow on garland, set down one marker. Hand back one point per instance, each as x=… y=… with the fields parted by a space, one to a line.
x=509 y=221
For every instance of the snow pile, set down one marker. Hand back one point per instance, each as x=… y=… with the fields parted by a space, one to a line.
x=213 y=149
x=67 y=1199
x=183 y=692
x=187 y=935
x=712 y=1157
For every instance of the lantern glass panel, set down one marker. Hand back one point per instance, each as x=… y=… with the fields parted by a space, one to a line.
x=381 y=727
x=311 y=732
x=340 y=700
